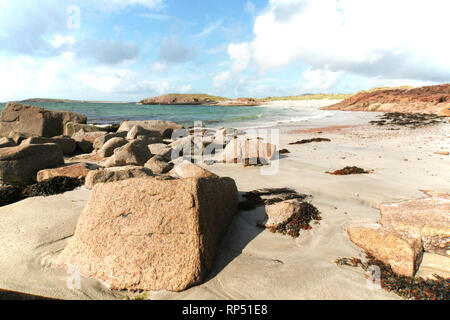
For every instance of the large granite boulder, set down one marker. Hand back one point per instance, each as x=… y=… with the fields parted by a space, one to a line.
x=187 y=169
x=100 y=141
x=85 y=140
x=166 y=128
x=20 y=164
x=108 y=148
x=429 y=218
x=76 y=170
x=160 y=149
x=116 y=174
x=403 y=251
x=186 y=147
x=67 y=145
x=159 y=165
x=138 y=130
x=134 y=153
x=253 y=151
x=36 y=121
x=152 y=234
x=71 y=128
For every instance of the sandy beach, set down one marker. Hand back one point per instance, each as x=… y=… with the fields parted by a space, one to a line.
x=253 y=263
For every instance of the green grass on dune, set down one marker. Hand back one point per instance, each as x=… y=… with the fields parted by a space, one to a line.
x=199 y=96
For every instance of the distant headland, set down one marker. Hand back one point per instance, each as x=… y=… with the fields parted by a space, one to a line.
x=47 y=100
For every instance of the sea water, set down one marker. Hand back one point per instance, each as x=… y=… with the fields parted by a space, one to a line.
x=210 y=116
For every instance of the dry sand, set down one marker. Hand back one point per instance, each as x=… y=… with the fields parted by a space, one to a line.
x=253 y=263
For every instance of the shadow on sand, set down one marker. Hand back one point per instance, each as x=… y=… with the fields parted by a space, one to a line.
x=242 y=230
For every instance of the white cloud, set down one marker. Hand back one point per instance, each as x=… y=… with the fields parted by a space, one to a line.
x=32 y=27
x=62 y=77
x=373 y=38
x=208 y=29
x=158 y=66
x=59 y=40
x=221 y=79
x=240 y=54
x=22 y=77
x=320 y=79
x=108 y=52
x=173 y=51
x=186 y=88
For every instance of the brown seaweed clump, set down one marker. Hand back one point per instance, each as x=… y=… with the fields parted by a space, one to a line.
x=406 y=287
x=13 y=193
x=299 y=221
x=284 y=151
x=304 y=141
x=349 y=170
x=411 y=120
x=256 y=198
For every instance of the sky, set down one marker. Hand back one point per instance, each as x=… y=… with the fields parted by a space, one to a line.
x=127 y=50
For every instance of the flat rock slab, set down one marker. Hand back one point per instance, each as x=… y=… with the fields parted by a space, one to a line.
x=67 y=145
x=429 y=218
x=21 y=164
x=116 y=174
x=402 y=251
x=76 y=170
x=150 y=234
x=434 y=264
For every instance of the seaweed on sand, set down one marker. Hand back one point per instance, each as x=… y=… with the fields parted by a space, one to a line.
x=411 y=120
x=406 y=287
x=299 y=221
x=310 y=140
x=12 y=193
x=349 y=170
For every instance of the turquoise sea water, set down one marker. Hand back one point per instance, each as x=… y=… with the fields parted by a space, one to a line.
x=211 y=116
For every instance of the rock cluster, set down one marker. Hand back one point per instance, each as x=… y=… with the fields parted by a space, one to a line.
x=405 y=231
x=31 y=120
x=153 y=220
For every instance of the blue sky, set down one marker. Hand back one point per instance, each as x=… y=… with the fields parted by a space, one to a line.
x=131 y=49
